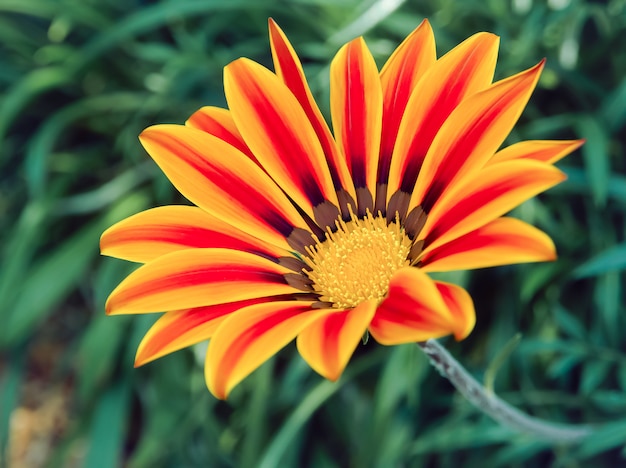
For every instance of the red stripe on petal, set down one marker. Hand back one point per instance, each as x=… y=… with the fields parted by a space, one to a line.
x=503 y=241
x=279 y=133
x=412 y=311
x=159 y=231
x=219 y=123
x=328 y=343
x=289 y=70
x=472 y=134
x=399 y=76
x=538 y=150
x=461 y=306
x=250 y=337
x=222 y=181
x=356 y=108
x=197 y=278
x=495 y=191
x=183 y=328
x=465 y=70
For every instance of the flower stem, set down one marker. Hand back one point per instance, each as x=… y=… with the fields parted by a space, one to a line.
x=495 y=407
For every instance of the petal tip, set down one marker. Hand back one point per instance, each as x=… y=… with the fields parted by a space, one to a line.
x=103 y=241
x=537 y=69
x=218 y=391
x=108 y=307
x=463 y=332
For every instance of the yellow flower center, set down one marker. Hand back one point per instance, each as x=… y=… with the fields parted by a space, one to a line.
x=356 y=262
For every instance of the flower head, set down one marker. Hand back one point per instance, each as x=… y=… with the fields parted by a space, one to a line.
x=302 y=233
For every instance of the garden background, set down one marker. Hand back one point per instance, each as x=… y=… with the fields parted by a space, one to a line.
x=80 y=79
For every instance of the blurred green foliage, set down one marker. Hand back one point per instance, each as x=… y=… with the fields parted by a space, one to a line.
x=80 y=79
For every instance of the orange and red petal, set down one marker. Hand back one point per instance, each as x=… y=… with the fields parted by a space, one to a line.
x=183 y=328
x=399 y=76
x=159 y=231
x=462 y=72
x=250 y=337
x=472 y=134
x=496 y=190
x=223 y=181
x=289 y=70
x=279 y=133
x=328 y=343
x=460 y=304
x=218 y=122
x=356 y=105
x=196 y=278
x=415 y=310
x=547 y=151
x=503 y=241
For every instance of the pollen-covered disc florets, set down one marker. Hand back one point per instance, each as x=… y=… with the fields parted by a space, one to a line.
x=356 y=262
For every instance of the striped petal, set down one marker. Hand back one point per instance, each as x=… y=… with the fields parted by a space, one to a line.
x=471 y=135
x=248 y=338
x=460 y=304
x=196 y=278
x=218 y=122
x=399 y=76
x=415 y=310
x=279 y=133
x=222 y=181
x=183 y=328
x=538 y=150
x=503 y=241
x=289 y=70
x=159 y=231
x=495 y=191
x=328 y=343
x=462 y=72
x=356 y=109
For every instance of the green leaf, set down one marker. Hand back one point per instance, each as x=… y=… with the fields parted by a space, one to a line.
x=570 y=324
x=613 y=259
x=593 y=374
x=605 y=437
x=596 y=156
x=99 y=347
x=51 y=279
x=309 y=404
x=454 y=435
x=563 y=365
x=54 y=276
x=614 y=107
x=522 y=450
x=10 y=383
x=21 y=93
x=621 y=375
x=18 y=251
x=108 y=428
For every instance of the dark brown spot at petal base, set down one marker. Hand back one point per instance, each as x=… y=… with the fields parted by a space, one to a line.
x=299 y=239
x=415 y=252
x=415 y=222
x=293 y=263
x=299 y=281
x=398 y=203
x=346 y=202
x=364 y=201
x=381 y=200
x=326 y=214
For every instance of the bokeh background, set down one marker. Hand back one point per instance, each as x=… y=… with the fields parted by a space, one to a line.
x=79 y=80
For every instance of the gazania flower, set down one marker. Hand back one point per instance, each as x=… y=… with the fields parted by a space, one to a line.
x=303 y=233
